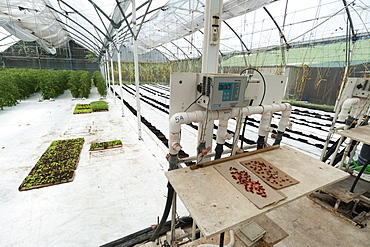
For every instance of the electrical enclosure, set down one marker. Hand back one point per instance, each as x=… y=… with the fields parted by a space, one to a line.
x=355 y=88
x=221 y=91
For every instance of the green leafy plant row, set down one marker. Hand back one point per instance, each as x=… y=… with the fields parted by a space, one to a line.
x=105 y=145
x=100 y=83
x=17 y=84
x=57 y=164
x=79 y=83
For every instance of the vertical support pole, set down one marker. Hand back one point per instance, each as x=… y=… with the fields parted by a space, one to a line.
x=108 y=76
x=173 y=220
x=136 y=65
x=111 y=65
x=193 y=230
x=120 y=78
x=211 y=46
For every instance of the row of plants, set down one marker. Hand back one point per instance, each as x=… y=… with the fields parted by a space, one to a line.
x=155 y=72
x=18 y=84
x=56 y=165
x=99 y=83
x=79 y=83
x=105 y=145
x=94 y=106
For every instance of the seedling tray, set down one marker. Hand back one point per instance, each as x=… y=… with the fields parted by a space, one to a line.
x=271 y=175
x=57 y=165
x=271 y=196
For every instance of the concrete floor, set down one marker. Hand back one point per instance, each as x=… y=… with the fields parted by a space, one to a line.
x=114 y=193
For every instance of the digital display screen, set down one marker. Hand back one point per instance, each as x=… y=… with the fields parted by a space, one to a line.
x=224 y=86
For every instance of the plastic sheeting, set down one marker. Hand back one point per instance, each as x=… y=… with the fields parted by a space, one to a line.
x=181 y=18
x=97 y=24
x=33 y=21
x=93 y=24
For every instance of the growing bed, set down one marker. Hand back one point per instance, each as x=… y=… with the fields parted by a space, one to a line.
x=57 y=165
x=95 y=106
x=105 y=145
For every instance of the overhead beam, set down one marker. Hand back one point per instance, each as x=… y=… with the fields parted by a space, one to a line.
x=50 y=7
x=86 y=19
x=354 y=36
x=282 y=36
x=178 y=47
x=200 y=54
x=115 y=25
x=237 y=35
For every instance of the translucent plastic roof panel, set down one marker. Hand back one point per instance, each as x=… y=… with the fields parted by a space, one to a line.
x=32 y=21
x=180 y=18
x=6 y=39
x=174 y=27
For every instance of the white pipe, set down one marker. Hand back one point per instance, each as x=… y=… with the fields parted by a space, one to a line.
x=284 y=120
x=113 y=86
x=136 y=68
x=222 y=134
x=108 y=76
x=180 y=118
x=264 y=124
x=237 y=132
x=230 y=244
x=347 y=104
x=120 y=78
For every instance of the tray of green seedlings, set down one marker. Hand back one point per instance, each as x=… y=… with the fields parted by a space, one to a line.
x=56 y=165
x=82 y=108
x=105 y=145
x=99 y=106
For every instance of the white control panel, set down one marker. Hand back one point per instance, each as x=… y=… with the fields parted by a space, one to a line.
x=362 y=88
x=221 y=91
x=355 y=87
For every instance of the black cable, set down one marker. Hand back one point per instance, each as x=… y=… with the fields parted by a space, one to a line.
x=263 y=79
x=192 y=103
x=243 y=131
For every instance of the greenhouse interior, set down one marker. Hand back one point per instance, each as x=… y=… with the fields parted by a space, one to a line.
x=185 y=123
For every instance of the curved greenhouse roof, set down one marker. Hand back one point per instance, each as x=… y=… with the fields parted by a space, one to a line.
x=174 y=28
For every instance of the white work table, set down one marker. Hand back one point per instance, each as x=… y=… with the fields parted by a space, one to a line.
x=361 y=134
x=216 y=205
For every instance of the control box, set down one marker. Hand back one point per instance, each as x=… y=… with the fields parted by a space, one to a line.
x=221 y=91
x=355 y=88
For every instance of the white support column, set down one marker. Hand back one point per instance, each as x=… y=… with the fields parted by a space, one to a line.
x=211 y=46
x=108 y=76
x=120 y=78
x=136 y=65
x=113 y=86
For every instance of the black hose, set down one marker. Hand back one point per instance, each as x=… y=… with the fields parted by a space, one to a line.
x=144 y=235
x=278 y=137
x=166 y=212
x=359 y=175
x=331 y=150
x=260 y=142
x=219 y=149
x=243 y=132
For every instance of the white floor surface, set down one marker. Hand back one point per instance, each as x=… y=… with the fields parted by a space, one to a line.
x=115 y=192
